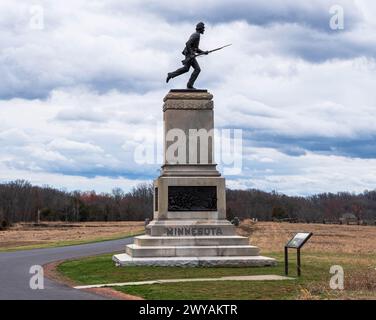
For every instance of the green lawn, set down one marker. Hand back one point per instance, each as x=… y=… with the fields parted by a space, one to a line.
x=221 y=290
x=314 y=283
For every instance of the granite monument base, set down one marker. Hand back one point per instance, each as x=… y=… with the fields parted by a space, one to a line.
x=255 y=261
x=190 y=226
x=190 y=243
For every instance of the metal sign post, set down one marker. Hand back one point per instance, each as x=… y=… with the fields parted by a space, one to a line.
x=286 y=260
x=297 y=242
x=298 y=266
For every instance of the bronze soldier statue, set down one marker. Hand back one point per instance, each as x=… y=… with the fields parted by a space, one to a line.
x=190 y=51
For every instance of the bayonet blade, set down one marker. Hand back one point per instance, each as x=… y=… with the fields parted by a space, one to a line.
x=220 y=48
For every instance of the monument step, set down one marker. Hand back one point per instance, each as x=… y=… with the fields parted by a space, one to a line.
x=190 y=222
x=191 y=251
x=151 y=241
x=233 y=261
x=189 y=215
x=194 y=170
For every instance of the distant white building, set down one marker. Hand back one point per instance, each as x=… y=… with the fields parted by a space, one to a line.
x=348 y=218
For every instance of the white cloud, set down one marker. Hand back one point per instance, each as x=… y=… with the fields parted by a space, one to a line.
x=307 y=174
x=74 y=146
x=70 y=182
x=13 y=137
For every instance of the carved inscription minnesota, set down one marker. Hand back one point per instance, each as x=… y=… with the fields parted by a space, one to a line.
x=194 y=231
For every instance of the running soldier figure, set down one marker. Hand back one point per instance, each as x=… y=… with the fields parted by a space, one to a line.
x=190 y=51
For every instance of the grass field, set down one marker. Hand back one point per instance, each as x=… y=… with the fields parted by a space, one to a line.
x=352 y=247
x=23 y=236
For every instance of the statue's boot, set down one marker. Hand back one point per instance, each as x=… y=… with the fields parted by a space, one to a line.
x=193 y=77
x=169 y=77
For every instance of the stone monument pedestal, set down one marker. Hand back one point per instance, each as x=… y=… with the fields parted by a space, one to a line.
x=190 y=226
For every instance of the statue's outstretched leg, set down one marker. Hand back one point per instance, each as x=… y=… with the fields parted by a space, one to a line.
x=195 y=73
x=178 y=72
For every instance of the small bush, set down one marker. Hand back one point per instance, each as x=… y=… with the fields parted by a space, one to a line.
x=4 y=224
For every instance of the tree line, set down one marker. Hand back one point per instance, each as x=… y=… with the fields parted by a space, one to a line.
x=323 y=207
x=21 y=201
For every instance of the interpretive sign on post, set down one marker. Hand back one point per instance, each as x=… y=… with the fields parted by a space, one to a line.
x=297 y=242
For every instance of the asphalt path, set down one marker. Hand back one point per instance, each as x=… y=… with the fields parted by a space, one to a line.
x=15 y=271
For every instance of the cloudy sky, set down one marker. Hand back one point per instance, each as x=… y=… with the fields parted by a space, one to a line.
x=82 y=89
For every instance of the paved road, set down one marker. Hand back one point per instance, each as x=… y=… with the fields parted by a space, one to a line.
x=15 y=266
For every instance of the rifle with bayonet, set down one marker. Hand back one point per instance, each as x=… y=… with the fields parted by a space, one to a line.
x=195 y=55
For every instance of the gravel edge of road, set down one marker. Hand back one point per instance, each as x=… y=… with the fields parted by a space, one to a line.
x=51 y=272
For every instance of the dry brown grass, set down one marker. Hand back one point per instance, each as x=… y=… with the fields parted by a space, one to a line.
x=358 y=284
x=331 y=239
x=351 y=246
x=28 y=234
x=361 y=280
x=269 y=236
